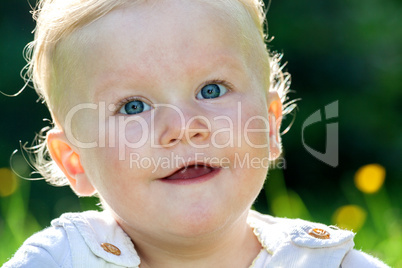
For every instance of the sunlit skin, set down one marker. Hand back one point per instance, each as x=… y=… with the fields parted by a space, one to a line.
x=146 y=53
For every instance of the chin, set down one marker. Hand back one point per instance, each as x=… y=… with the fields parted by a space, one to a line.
x=202 y=223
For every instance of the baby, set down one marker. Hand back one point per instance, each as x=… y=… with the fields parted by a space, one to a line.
x=168 y=111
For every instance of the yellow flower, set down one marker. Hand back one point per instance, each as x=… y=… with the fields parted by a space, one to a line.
x=370 y=178
x=349 y=217
x=8 y=182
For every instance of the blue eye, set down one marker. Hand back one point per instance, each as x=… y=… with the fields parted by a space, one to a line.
x=135 y=107
x=211 y=91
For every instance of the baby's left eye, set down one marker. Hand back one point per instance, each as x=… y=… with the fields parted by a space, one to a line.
x=211 y=91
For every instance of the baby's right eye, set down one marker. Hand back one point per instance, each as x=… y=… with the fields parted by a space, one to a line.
x=134 y=107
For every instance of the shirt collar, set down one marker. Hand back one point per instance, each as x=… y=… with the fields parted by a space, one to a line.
x=100 y=227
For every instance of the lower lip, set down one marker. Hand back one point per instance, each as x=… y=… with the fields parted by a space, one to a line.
x=194 y=180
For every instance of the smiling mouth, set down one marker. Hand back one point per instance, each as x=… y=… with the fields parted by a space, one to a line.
x=191 y=174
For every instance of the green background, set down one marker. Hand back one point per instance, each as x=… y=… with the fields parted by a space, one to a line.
x=342 y=50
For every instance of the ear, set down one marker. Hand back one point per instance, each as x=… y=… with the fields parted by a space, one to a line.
x=275 y=120
x=68 y=161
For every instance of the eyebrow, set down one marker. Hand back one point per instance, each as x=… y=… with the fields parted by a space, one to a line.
x=222 y=63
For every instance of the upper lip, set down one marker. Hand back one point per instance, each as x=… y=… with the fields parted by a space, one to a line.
x=189 y=164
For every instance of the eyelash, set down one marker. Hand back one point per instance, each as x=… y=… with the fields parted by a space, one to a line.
x=124 y=101
x=222 y=82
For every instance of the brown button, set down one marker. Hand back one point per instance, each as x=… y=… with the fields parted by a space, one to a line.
x=111 y=249
x=319 y=233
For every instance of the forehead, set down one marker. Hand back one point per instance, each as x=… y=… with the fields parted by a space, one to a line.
x=149 y=42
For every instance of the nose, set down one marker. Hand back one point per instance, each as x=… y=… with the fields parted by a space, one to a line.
x=185 y=125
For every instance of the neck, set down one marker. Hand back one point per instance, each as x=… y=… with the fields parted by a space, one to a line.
x=235 y=246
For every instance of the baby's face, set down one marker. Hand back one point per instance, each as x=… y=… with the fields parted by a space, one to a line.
x=179 y=90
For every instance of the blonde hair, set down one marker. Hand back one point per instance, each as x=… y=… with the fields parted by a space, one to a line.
x=57 y=19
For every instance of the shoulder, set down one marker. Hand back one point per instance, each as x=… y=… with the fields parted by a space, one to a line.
x=356 y=258
x=304 y=234
x=52 y=247
x=310 y=244
x=47 y=248
x=77 y=238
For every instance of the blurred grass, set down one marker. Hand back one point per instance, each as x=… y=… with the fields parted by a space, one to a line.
x=17 y=224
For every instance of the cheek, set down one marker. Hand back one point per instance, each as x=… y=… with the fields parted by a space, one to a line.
x=132 y=131
x=247 y=123
x=118 y=137
x=91 y=127
x=111 y=176
x=255 y=126
x=256 y=132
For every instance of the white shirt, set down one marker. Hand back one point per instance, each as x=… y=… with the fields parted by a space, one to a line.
x=75 y=240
